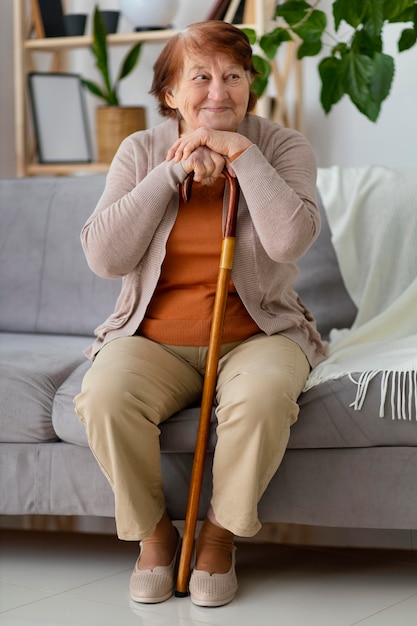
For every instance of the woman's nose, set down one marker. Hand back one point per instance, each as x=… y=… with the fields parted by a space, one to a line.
x=217 y=90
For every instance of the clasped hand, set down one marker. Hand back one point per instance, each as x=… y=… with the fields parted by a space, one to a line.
x=207 y=153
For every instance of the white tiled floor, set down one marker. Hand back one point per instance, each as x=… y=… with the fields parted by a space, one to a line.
x=70 y=579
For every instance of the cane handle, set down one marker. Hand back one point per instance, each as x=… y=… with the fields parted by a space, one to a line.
x=231 y=214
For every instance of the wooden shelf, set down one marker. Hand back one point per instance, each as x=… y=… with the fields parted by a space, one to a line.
x=59 y=44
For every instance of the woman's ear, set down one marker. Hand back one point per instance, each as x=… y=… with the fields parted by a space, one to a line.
x=170 y=99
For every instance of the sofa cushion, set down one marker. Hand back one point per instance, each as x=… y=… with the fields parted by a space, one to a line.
x=45 y=282
x=32 y=368
x=326 y=420
x=64 y=419
x=320 y=283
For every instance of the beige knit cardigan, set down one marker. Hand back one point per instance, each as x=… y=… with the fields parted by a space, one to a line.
x=278 y=220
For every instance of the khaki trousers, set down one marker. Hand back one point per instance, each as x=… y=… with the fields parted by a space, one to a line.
x=134 y=384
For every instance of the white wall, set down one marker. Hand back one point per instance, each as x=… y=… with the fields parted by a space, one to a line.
x=344 y=137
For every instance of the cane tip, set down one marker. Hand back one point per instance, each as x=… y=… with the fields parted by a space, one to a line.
x=181 y=594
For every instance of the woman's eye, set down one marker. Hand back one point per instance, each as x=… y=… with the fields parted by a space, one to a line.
x=200 y=78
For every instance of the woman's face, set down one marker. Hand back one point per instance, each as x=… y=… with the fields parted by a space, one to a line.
x=212 y=92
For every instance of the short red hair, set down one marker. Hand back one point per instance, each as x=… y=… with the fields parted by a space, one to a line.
x=213 y=37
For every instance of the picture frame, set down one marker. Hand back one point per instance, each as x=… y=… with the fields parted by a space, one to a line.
x=60 y=118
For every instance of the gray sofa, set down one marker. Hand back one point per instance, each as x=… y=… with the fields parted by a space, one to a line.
x=344 y=468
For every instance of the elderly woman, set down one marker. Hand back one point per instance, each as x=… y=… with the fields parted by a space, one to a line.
x=149 y=355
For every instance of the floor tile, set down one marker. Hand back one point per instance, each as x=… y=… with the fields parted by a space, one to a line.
x=68 y=579
x=63 y=611
x=401 y=614
x=12 y=596
x=55 y=562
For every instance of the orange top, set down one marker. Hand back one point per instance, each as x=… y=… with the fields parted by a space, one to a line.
x=181 y=308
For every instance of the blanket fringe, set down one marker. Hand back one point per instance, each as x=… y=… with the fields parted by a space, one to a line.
x=403 y=395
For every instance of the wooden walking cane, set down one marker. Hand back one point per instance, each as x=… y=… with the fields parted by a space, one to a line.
x=213 y=354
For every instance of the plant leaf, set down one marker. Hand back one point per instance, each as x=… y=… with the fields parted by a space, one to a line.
x=293 y=11
x=351 y=11
x=94 y=89
x=99 y=49
x=382 y=77
x=356 y=72
x=251 y=35
x=374 y=19
x=407 y=39
x=270 y=42
x=398 y=10
x=130 y=61
x=332 y=90
x=312 y=27
x=309 y=49
x=365 y=42
x=352 y=75
x=260 y=82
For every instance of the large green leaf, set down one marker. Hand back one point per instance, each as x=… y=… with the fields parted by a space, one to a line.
x=309 y=49
x=263 y=68
x=270 y=42
x=99 y=47
x=332 y=90
x=398 y=10
x=356 y=74
x=293 y=11
x=351 y=11
x=312 y=28
x=407 y=39
x=251 y=35
x=364 y=42
x=359 y=77
x=130 y=61
x=381 y=77
x=374 y=18
x=94 y=88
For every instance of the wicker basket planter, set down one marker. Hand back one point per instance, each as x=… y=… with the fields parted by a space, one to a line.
x=113 y=124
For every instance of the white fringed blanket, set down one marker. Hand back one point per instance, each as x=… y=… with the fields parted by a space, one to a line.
x=372 y=214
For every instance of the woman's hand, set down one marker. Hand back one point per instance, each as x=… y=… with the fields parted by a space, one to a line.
x=207 y=152
x=206 y=164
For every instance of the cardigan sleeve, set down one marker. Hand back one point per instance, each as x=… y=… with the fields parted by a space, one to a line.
x=277 y=177
x=133 y=203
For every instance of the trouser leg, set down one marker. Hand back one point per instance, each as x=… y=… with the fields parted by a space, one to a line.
x=132 y=386
x=257 y=390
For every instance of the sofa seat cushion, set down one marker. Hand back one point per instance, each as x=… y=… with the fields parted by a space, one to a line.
x=326 y=420
x=64 y=418
x=32 y=368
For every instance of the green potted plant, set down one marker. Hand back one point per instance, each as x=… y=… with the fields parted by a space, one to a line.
x=113 y=121
x=356 y=65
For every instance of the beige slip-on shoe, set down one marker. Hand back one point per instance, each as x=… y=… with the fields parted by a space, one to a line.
x=150 y=586
x=214 y=589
